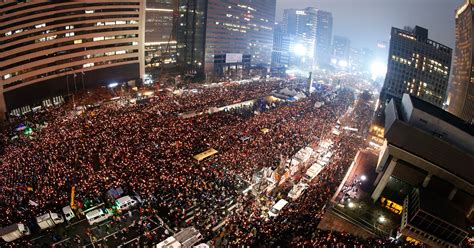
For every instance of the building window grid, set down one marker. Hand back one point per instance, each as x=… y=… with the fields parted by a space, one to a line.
x=74 y=68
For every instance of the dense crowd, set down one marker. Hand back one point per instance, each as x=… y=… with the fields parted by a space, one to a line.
x=139 y=150
x=147 y=149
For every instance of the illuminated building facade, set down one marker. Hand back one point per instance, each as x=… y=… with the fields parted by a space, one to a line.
x=300 y=26
x=417 y=66
x=216 y=27
x=281 y=48
x=191 y=35
x=50 y=48
x=341 y=48
x=359 y=59
x=424 y=166
x=322 y=52
x=461 y=92
x=160 y=32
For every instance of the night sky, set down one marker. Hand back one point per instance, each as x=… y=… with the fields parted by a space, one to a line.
x=366 y=22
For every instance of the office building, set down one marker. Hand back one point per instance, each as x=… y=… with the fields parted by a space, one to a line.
x=360 y=59
x=417 y=66
x=461 y=93
x=51 y=48
x=322 y=51
x=425 y=165
x=211 y=29
x=191 y=34
x=160 y=33
x=281 y=48
x=300 y=26
x=341 y=48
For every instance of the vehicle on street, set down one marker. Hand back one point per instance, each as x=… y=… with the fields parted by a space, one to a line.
x=297 y=190
x=49 y=220
x=125 y=202
x=14 y=231
x=97 y=216
x=275 y=210
x=68 y=213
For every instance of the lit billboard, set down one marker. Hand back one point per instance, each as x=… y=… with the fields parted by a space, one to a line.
x=233 y=58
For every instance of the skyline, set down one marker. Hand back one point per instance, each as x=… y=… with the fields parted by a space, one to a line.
x=439 y=20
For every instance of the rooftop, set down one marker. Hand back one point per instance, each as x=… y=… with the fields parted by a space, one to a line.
x=425 y=131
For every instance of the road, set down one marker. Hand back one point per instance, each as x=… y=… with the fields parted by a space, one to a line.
x=126 y=230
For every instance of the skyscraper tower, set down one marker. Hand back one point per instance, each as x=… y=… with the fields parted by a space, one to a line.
x=417 y=66
x=461 y=89
x=160 y=32
x=300 y=26
x=322 y=51
x=216 y=37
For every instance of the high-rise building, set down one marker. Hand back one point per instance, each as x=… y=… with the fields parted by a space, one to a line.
x=52 y=48
x=425 y=168
x=322 y=52
x=417 y=66
x=218 y=37
x=191 y=35
x=360 y=59
x=300 y=26
x=341 y=48
x=461 y=92
x=160 y=32
x=281 y=48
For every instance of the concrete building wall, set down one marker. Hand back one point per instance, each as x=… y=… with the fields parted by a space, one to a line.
x=45 y=40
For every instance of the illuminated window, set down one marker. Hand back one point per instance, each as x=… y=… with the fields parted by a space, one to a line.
x=109 y=23
x=98 y=38
x=88 y=65
x=69 y=27
x=69 y=34
x=8 y=33
x=52 y=37
x=120 y=22
x=89 y=11
x=7 y=76
x=120 y=52
x=109 y=37
x=135 y=43
x=133 y=22
x=77 y=41
x=40 y=25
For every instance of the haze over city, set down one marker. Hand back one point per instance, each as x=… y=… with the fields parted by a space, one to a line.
x=367 y=22
x=237 y=123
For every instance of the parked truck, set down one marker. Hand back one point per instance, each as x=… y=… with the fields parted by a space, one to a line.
x=48 y=220
x=13 y=232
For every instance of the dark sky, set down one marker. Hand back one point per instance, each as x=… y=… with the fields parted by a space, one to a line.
x=366 y=22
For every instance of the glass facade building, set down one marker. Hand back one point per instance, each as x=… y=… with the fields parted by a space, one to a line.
x=322 y=52
x=160 y=32
x=461 y=92
x=300 y=26
x=48 y=45
x=191 y=32
x=341 y=48
x=215 y=27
